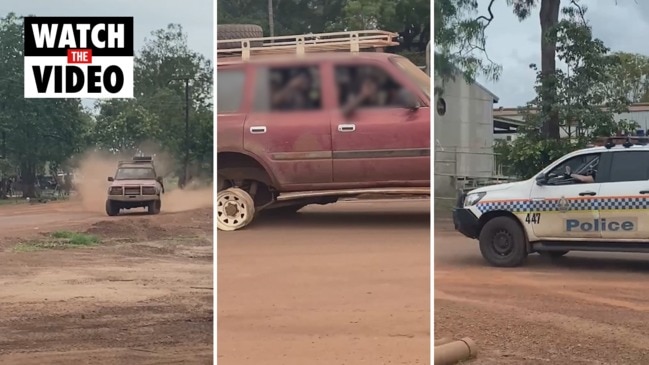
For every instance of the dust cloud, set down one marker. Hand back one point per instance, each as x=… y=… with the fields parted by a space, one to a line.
x=92 y=184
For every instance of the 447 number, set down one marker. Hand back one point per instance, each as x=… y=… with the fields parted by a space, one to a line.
x=533 y=218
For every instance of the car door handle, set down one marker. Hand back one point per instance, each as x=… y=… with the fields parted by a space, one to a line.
x=644 y=192
x=584 y=193
x=346 y=127
x=258 y=129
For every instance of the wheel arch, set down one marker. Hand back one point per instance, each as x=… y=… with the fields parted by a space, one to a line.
x=242 y=166
x=486 y=217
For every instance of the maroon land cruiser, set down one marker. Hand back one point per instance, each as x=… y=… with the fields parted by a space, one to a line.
x=300 y=122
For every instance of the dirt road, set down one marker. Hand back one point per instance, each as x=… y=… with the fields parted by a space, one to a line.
x=346 y=283
x=142 y=296
x=586 y=308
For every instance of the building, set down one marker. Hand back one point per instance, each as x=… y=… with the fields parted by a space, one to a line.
x=506 y=120
x=464 y=135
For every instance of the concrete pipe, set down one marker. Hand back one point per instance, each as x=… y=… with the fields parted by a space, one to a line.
x=442 y=341
x=456 y=351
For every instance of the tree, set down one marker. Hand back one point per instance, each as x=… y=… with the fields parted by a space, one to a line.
x=38 y=131
x=123 y=125
x=157 y=113
x=549 y=18
x=583 y=102
x=411 y=18
x=460 y=41
x=630 y=77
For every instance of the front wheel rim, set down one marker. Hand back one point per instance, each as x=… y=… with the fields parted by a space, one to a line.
x=233 y=210
x=502 y=243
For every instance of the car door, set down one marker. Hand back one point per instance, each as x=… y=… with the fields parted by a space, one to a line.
x=562 y=207
x=379 y=143
x=624 y=196
x=294 y=140
x=230 y=106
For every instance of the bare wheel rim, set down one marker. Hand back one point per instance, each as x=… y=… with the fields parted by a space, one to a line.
x=234 y=209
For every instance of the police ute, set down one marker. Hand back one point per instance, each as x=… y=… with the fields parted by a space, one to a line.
x=594 y=199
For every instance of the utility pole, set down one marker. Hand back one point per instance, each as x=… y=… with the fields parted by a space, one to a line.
x=271 y=21
x=186 y=171
x=185 y=177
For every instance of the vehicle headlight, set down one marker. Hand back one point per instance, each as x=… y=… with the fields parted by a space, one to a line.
x=473 y=198
x=115 y=190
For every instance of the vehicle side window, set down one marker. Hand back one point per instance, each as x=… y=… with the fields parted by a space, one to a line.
x=583 y=166
x=367 y=86
x=629 y=166
x=286 y=89
x=230 y=90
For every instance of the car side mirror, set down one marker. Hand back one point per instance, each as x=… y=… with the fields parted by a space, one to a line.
x=110 y=178
x=541 y=179
x=159 y=179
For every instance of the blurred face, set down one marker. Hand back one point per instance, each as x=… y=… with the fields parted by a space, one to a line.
x=370 y=86
x=304 y=83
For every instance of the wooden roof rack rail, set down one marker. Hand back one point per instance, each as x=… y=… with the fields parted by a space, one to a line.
x=352 y=41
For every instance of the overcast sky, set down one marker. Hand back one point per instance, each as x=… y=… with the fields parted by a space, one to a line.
x=194 y=15
x=514 y=44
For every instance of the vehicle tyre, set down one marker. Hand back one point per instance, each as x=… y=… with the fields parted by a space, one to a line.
x=553 y=254
x=238 y=31
x=503 y=243
x=235 y=209
x=154 y=207
x=111 y=208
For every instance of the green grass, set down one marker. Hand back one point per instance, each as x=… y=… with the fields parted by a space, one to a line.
x=59 y=240
x=12 y=201
x=16 y=201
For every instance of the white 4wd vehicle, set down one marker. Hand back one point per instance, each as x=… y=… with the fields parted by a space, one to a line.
x=134 y=185
x=595 y=199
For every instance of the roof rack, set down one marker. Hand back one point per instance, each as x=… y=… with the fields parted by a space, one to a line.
x=142 y=158
x=137 y=160
x=627 y=141
x=352 y=41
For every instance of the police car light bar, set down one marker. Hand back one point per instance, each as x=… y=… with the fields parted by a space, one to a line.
x=627 y=141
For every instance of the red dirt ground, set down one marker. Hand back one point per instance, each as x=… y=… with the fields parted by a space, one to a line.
x=585 y=308
x=142 y=296
x=347 y=283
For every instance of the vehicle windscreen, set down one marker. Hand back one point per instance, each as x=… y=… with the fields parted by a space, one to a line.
x=415 y=74
x=134 y=173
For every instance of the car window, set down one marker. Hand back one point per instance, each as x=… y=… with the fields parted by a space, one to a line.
x=229 y=90
x=367 y=86
x=584 y=165
x=629 y=166
x=287 y=89
x=134 y=173
x=418 y=76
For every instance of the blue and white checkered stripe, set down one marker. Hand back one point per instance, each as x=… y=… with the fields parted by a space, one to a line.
x=626 y=203
x=552 y=205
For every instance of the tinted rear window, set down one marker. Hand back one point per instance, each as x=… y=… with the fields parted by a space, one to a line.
x=229 y=90
x=629 y=166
